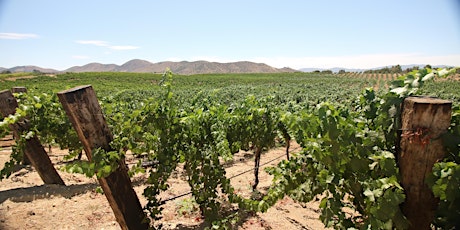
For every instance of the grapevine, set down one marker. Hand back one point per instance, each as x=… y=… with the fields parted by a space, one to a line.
x=43 y=115
x=356 y=168
x=347 y=159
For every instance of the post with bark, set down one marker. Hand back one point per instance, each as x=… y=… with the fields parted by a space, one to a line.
x=424 y=120
x=257 y=152
x=19 y=89
x=85 y=114
x=33 y=148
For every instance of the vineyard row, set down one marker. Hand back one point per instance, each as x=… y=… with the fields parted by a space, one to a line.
x=348 y=156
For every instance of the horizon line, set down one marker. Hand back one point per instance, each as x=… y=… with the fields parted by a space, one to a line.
x=175 y=60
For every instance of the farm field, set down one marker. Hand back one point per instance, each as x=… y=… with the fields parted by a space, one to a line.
x=301 y=86
x=26 y=203
x=311 y=87
x=206 y=118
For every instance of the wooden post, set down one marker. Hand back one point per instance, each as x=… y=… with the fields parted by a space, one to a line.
x=20 y=89
x=424 y=120
x=33 y=148
x=84 y=111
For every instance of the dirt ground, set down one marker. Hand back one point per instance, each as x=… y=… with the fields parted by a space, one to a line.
x=26 y=203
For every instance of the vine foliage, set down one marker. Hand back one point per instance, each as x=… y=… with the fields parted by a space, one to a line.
x=347 y=159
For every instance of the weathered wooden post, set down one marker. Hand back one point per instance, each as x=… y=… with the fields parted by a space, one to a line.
x=84 y=111
x=424 y=120
x=33 y=148
x=21 y=89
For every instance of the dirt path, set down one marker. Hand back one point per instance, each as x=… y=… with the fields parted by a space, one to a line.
x=26 y=203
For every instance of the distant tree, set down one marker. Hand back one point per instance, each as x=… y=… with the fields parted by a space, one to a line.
x=428 y=66
x=342 y=71
x=36 y=72
x=396 y=69
x=408 y=70
x=327 y=71
x=6 y=72
x=381 y=70
x=316 y=71
x=369 y=71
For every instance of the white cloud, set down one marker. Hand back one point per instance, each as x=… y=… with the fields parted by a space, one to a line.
x=93 y=42
x=123 y=47
x=17 y=36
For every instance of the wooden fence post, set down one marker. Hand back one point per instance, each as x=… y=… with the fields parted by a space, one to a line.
x=33 y=148
x=424 y=120
x=84 y=111
x=19 y=89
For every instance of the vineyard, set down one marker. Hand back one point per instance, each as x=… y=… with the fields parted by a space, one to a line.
x=336 y=137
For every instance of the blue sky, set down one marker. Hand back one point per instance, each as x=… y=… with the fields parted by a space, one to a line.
x=296 y=34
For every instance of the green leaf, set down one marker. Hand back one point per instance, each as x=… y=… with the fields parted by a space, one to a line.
x=369 y=194
x=104 y=171
x=401 y=91
x=428 y=76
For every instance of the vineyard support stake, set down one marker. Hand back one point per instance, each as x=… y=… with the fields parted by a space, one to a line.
x=33 y=148
x=258 y=152
x=85 y=114
x=19 y=89
x=424 y=120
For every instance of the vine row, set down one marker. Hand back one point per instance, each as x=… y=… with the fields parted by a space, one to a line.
x=347 y=159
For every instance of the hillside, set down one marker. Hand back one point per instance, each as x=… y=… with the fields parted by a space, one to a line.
x=184 y=67
x=29 y=68
x=93 y=67
x=188 y=68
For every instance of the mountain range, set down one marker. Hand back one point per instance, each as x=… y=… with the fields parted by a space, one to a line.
x=184 y=67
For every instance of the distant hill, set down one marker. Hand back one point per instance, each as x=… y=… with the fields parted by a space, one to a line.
x=187 y=68
x=184 y=67
x=30 y=68
x=200 y=67
x=93 y=67
x=142 y=66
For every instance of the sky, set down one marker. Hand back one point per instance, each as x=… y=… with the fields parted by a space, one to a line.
x=289 y=33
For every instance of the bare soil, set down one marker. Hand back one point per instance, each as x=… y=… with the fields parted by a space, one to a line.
x=21 y=77
x=26 y=203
